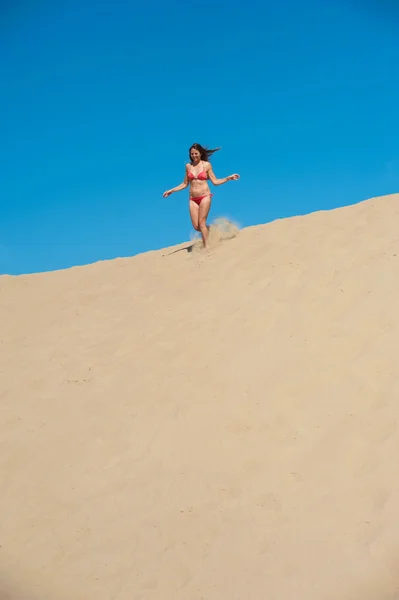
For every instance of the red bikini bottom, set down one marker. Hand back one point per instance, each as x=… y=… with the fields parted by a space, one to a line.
x=199 y=199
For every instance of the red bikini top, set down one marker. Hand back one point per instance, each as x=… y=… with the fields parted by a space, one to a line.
x=201 y=176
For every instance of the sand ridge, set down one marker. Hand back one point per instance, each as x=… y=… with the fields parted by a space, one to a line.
x=180 y=425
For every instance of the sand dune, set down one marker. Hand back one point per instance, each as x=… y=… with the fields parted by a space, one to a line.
x=186 y=426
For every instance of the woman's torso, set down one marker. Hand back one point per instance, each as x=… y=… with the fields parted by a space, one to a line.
x=198 y=179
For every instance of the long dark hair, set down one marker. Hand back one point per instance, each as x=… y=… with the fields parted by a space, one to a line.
x=205 y=153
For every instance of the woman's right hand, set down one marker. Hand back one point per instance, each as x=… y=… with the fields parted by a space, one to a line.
x=167 y=193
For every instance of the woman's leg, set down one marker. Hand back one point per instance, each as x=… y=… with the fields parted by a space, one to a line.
x=194 y=214
x=204 y=209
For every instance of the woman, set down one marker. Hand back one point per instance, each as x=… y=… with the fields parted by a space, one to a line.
x=198 y=171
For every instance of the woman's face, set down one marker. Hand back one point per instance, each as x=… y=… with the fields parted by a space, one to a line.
x=195 y=155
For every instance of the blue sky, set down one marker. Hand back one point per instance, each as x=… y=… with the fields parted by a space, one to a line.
x=100 y=101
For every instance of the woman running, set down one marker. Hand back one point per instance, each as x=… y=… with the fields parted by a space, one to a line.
x=198 y=171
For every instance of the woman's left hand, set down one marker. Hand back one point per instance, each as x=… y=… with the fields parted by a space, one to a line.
x=233 y=177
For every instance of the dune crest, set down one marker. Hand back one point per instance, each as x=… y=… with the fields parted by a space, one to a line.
x=174 y=428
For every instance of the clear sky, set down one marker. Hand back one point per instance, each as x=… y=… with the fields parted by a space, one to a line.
x=100 y=101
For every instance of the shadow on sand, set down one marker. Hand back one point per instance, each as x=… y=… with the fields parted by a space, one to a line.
x=188 y=248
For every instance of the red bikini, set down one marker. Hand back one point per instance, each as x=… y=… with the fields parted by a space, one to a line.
x=202 y=177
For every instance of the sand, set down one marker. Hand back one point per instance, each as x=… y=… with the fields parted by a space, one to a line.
x=187 y=425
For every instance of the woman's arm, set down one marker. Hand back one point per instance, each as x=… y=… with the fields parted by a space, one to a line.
x=217 y=181
x=178 y=188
